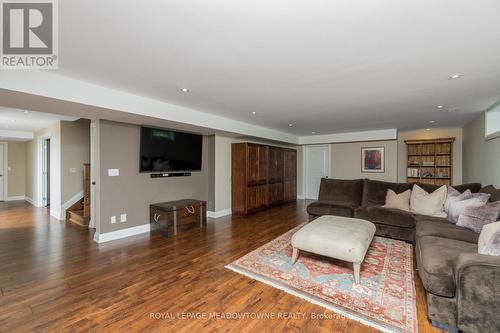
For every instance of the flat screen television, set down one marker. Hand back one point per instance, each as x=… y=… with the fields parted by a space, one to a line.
x=166 y=151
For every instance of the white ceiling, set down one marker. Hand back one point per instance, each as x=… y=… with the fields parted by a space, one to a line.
x=28 y=121
x=325 y=66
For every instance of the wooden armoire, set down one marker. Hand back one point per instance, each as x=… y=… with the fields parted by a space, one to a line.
x=261 y=176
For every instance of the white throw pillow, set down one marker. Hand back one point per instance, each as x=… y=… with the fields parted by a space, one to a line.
x=486 y=244
x=398 y=201
x=431 y=204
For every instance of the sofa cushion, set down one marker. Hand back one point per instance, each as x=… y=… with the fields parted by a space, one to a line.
x=375 y=191
x=331 y=207
x=492 y=191
x=349 y=191
x=440 y=227
x=435 y=258
x=387 y=216
x=473 y=187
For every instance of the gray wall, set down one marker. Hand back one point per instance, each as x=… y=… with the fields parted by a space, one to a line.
x=132 y=192
x=75 y=151
x=481 y=158
x=346 y=160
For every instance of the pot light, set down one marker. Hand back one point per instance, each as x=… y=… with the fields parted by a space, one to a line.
x=455 y=76
x=185 y=90
x=313 y=132
x=290 y=125
x=26 y=112
x=439 y=106
x=427 y=129
x=432 y=121
x=254 y=113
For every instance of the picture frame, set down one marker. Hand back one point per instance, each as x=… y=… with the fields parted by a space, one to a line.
x=373 y=159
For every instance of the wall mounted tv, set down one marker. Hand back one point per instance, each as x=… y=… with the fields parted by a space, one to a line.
x=166 y=151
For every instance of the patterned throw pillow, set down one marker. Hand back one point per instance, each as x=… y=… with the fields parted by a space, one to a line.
x=489 y=240
x=457 y=207
x=476 y=217
x=453 y=196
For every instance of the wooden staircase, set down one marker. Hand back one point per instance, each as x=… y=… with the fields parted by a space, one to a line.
x=79 y=213
x=75 y=214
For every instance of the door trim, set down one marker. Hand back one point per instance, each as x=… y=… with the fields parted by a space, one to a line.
x=304 y=164
x=39 y=168
x=5 y=171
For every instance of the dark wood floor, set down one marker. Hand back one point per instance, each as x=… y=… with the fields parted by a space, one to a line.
x=53 y=277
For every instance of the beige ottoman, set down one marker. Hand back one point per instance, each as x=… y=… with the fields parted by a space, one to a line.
x=336 y=237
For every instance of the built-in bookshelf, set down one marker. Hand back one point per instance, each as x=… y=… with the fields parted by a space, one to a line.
x=429 y=161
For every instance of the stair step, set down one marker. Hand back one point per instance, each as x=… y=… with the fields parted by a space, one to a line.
x=77 y=217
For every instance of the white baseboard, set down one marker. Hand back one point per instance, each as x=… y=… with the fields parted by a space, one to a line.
x=30 y=201
x=16 y=198
x=73 y=200
x=123 y=233
x=219 y=213
x=55 y=214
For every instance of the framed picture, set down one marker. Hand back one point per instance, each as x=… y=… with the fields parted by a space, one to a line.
x=373 y=159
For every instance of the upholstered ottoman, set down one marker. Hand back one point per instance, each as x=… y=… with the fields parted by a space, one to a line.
x=338 y=237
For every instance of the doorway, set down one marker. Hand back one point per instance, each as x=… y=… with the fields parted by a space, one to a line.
x=316 y=166
x=46 y=172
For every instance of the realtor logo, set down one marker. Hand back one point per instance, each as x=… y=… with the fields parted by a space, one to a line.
x=29 y=34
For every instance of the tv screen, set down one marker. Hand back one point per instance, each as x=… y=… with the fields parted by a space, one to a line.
x=164 y=150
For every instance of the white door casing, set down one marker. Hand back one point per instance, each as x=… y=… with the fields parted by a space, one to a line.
x=316 y=166
x=45 y=163
x=3 y=171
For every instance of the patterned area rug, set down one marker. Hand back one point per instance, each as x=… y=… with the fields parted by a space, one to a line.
x=385 y=298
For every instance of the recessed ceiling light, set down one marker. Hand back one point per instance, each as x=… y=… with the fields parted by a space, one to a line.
x=254 y=113
x=290 y=125
x=427 y=129
x=455 y=76
x=439 y=106
x=432 y=121
x=26 y=111
x=313 y=132
x=185 y=89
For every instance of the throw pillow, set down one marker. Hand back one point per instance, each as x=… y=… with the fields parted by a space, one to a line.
x=453 y=196
x=483 y=196
x=398 y=201
x=475 y=217
x=492 y=247
x=457 y=207
x=485 y=237
x=431 y=204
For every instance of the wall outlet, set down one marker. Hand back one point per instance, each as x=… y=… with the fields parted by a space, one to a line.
x=113 y=219
x=72 y=170
x=123 y=218
x=113 y=172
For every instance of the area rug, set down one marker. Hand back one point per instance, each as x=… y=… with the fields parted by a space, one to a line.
x=384 y=299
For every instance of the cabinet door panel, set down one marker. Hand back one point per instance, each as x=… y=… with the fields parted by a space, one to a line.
x=257 y=197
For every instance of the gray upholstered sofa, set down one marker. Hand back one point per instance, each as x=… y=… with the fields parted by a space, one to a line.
x=462 y=286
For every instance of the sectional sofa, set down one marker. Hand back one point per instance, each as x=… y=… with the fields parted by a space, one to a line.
x=462 y=286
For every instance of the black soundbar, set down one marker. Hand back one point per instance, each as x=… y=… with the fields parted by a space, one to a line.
x=170 y=174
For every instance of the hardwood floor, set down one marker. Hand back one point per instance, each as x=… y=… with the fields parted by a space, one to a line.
x=53 y=277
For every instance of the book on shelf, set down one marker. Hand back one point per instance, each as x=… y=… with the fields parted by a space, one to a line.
x=413 y=172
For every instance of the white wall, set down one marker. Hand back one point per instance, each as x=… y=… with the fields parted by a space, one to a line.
x=481 y=157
